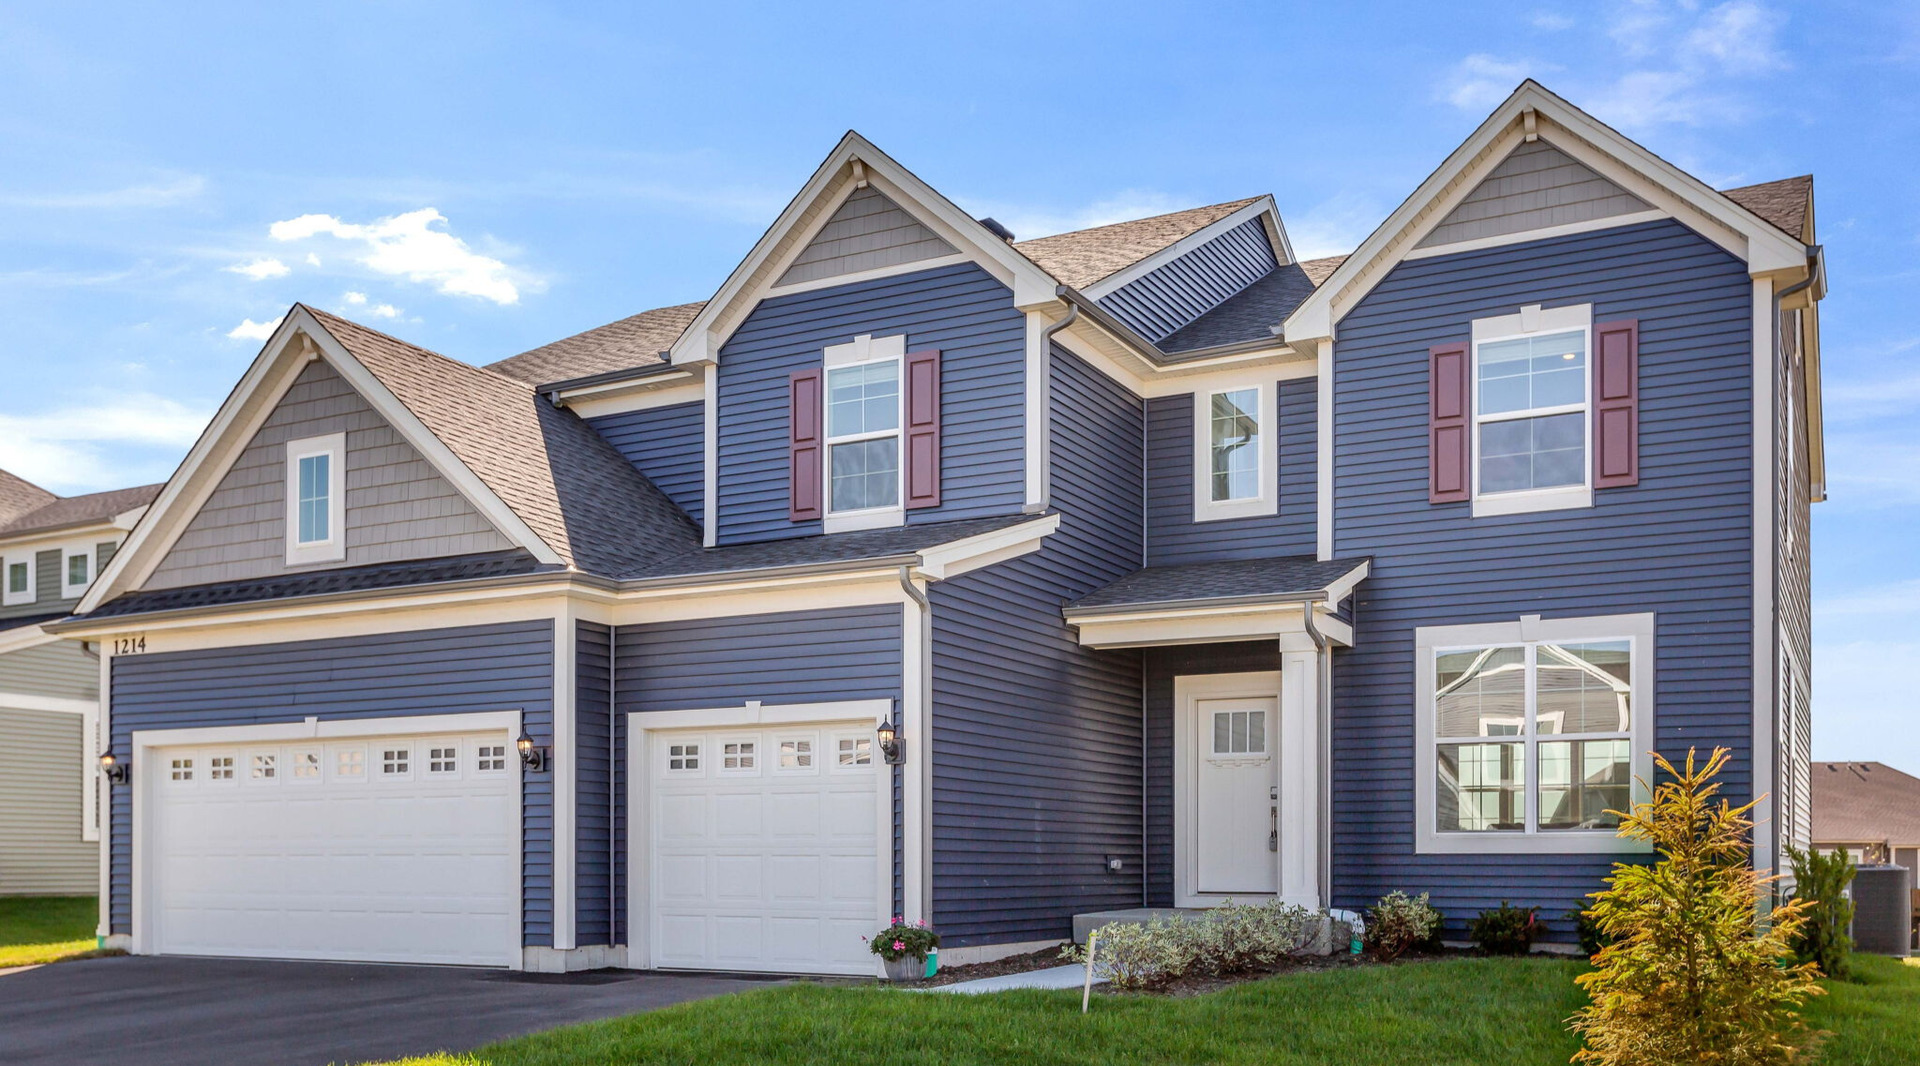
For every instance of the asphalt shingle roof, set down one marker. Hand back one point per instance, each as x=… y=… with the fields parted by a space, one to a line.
x=1237 y=579
x=322 y=582
x=91 y=509
x=632 y=342
x=18 y=496
x=1783 y=203
x=835 y=548
x=577 y=494
x=1083 y=257
x=1865 y=802
x=20 y=621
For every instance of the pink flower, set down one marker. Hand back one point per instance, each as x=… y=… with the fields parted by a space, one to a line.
x=922 y=923
x=899 y=945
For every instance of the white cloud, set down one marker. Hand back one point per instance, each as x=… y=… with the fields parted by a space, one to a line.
x=262 y=268
x=384 y=311
x=249 y=330
x=1737 y=37
x=355 y=299
x=1334 y=226
x=1551 y=21
x=313 y=260
x=68 y=449
x=1480 y=81
x=409 y=246
x=185 y=187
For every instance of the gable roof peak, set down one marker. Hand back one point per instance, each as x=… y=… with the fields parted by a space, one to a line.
x=1082 y=257
x=18 y=496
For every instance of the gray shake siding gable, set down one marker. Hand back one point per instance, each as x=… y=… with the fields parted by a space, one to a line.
x=841 y=653
x=506 y=666
x=960 y=310
x=1678 y=544
x=397 y=505
x=665 y=444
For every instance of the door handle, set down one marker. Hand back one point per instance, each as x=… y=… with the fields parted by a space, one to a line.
x=1273 y=834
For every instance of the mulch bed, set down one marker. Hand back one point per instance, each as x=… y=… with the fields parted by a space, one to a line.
x=1044 y=959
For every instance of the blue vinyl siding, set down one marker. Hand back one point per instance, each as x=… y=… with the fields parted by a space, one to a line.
x=1161 y=667
x=507 y=666
x=593 y=784
x=840 y=653
x=1678 y=544
x=667 y=445
x=1172 y=534
x=1182 y=290
x=1036 y=748
x=960 y=310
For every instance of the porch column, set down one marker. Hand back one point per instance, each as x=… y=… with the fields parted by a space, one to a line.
x=1300 y=770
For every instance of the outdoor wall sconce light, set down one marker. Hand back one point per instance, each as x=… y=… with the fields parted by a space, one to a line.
x=532 y=757
x=114 y=770
x=889 y=743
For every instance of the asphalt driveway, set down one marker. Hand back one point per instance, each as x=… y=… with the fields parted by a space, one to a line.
x=189 y=1012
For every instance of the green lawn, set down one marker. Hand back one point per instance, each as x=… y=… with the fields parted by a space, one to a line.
x=36 y=929
x=1465 y=1011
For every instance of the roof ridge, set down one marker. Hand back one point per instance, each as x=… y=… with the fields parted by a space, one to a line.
x=595 y=329
x=1236 y=204
x=462 y=364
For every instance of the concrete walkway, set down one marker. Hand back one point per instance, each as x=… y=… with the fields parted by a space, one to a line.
x=1068 y=976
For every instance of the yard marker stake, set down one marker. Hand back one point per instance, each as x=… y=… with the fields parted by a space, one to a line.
x=1086 y=993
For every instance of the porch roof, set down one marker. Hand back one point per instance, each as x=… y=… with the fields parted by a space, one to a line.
x=1231 y=582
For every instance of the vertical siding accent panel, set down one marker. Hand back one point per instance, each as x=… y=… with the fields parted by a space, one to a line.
x=1036 y=744
x=505 y=666
x=1172 y=534
x=841 y=653
x=397 y=506
x=1536 y=186
x=60 y=670
x=1678 y=543
x=1161 y=666
x=593 y=784
x=960 y=310
x=1182 y=290
x=42 y=791
x=664 y=443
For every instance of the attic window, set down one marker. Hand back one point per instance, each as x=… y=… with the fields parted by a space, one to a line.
x=17 y=574
x=315 y=488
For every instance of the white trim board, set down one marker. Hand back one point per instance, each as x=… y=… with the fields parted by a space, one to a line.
x=25 y=701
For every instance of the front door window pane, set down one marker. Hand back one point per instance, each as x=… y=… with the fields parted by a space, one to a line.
x=866 y=474
x=1482 y=787
x=1235 y=442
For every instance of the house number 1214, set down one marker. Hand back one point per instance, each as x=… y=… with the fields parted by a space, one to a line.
x=130 y=645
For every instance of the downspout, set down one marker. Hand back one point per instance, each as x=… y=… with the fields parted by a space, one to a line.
x=924 y=905
x=1045 y=501
x=613 y=804
x=1323 y=688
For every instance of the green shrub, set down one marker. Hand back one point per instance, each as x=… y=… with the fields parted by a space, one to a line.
x=1506 y=930
x=903 y=939
x=1398 y=922
x=1822 y=880
x=1587 y=928
x=1230 y=939
x=1692 y=976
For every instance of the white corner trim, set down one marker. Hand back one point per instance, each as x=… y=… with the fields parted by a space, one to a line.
x=1323 y=457
x=1267 y=501
x=710 y=450
x=565 y=770
x=961 y=556
x=332 y=547
x=916 y=775
x=1639 y=629
x=1037 y=408
x=1765 y=522
x=1631 y=218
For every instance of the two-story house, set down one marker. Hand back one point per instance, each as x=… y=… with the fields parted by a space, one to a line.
x=923 y=571
x=51 y=547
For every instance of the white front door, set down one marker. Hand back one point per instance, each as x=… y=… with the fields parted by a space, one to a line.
x=1235 y=804
x=381 y=849
x=765 y=848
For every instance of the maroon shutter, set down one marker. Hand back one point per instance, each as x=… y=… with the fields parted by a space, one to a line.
x=923 y=428
x=1616 y=404
x=1448 y=428
x=804 y=410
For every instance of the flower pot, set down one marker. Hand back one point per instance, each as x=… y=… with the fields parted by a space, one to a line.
x=905 y=968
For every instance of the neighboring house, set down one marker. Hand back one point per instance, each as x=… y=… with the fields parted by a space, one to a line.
x=1176 y=569
x=1870 y=810
x=50 y=549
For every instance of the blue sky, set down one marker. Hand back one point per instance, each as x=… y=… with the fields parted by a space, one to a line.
x=481 y=180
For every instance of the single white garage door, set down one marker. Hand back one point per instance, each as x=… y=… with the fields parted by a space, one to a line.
x=389 y=849
x=765 y=849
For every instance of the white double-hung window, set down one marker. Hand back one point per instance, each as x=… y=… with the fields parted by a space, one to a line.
x=1531 y=733
x=1235 y=471
x=316 y=504
x=76 y=571
x=864 y=415
x=17 y=580
x=1531 y=425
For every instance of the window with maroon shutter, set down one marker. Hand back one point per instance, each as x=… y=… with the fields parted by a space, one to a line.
x=923 y=429
x=804 y=463
x=1616 y=404
x=1448 y=425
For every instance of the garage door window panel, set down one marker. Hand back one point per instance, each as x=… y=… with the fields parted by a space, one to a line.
x=443 y=760
x=852 y=752
x=350 y=763
x=739 y=755
x=796 y=755
x=220 y=769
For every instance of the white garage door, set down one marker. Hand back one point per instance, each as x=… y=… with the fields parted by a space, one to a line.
x=388 y=849
x=765 y=849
